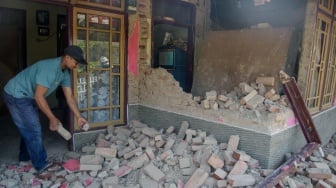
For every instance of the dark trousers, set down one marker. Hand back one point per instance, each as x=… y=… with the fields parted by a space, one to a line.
x=25 y=115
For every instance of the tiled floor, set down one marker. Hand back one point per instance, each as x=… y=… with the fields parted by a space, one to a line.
x=55 y=145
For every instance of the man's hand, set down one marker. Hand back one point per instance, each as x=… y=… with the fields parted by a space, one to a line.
x=53 y=124
x=73 y=106
x=81 y=122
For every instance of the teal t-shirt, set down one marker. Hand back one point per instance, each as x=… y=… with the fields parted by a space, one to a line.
x=47 y=73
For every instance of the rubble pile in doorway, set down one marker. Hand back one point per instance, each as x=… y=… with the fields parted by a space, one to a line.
x=137 y=155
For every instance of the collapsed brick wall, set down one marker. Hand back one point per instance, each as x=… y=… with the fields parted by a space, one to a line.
x=158 y=89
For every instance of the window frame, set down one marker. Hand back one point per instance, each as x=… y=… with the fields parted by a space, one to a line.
x=321 y=71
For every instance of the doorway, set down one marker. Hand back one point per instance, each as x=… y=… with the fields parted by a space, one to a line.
x=12 y=47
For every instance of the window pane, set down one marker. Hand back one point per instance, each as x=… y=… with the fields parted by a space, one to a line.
x=81 y=91
x=326 y=3
x=116 y=114
x=99 y=89
x=104 y=2
x=109 y=3
x=116 y=90
x=98 y=49
x=81 y=42
x=99 y=115
x=116 y=38
x=115 y=69
x=116 y=3
x=81 y=20
x=99 y=22
x=115 y=52
x=116 y=24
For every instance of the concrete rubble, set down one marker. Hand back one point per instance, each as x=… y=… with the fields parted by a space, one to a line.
x=178 y=157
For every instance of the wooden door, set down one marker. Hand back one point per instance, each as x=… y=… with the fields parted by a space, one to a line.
x=100 y=86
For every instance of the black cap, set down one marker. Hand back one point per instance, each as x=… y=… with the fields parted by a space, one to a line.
x=76 y=53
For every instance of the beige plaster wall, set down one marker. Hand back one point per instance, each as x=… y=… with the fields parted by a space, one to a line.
x=230 y=57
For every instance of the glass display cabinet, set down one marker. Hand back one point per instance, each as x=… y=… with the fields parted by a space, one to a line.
x=99 y=86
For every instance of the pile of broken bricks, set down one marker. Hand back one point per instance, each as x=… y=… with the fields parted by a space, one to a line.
x=250 y=96
x=140 y=156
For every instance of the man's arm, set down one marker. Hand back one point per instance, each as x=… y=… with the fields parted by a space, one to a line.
x=40 y=92
x=73 y=105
